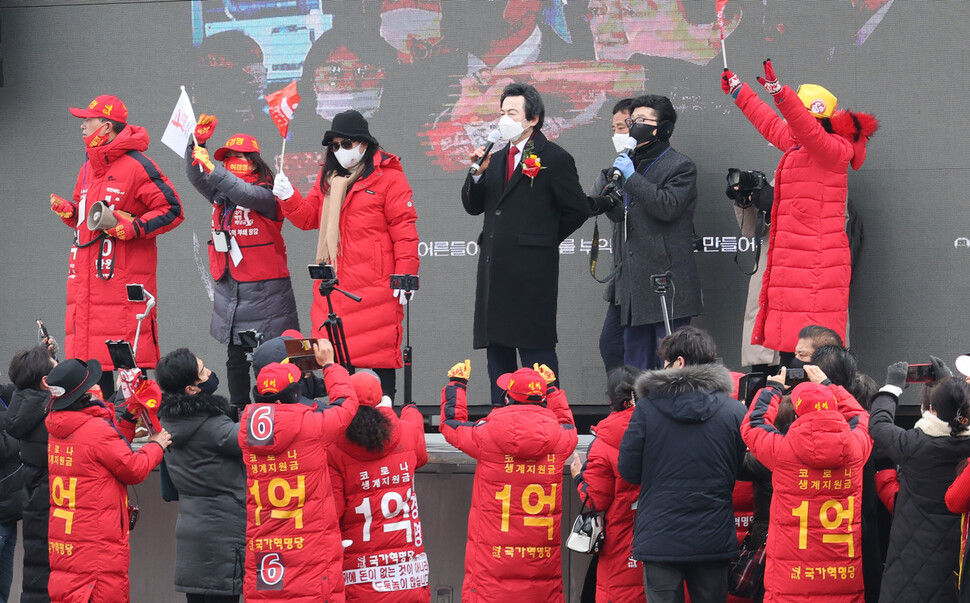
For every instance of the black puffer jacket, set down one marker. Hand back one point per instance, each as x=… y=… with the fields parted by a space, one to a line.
x=684 y=448
x=924 y=543
x=205 y=464
x=25 y=421
x=12 y=494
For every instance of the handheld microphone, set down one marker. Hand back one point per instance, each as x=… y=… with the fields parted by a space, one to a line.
x=615 y=175
x=493 y=137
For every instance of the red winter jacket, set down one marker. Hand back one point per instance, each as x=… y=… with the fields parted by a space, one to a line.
x=293 y=547
x=806 y=279
x=814 y=548
x=373 y=491
x=514 y=525
x=378 y=238
x=90 y=467
x=120 y=174
x=619 y=577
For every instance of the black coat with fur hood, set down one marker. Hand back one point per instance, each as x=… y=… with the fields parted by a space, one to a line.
x=206 y=467
x=684 y=448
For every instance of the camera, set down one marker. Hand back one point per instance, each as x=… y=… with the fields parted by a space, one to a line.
x=794 y=376
x=250 y=339
x=741 y=183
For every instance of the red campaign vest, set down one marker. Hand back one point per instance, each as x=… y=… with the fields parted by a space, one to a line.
x=293 y=548
x=261 y=241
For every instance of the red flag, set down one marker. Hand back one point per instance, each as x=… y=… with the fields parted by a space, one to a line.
x=144 y=401
x=282 y=103
x=719 y=5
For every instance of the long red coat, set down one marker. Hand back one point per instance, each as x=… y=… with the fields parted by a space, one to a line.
x=806 y=280
x=814 y=548
x=513 y=551
x=619 y=577
x=373 y=491
x=378 y=238
x=90 y=467
x=293 y=550
x=120 y=174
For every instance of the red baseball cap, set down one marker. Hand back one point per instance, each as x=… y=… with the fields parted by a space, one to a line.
x=276 y=376
x=106 y=106
x=808 y=397
x=368 y=388
x=242 y=143
x=524 y=385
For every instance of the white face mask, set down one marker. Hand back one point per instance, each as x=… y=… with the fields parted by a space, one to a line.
x=509 y=128
x=348 y=158
x=623 y=142
x=366 y=101
x=401 y=25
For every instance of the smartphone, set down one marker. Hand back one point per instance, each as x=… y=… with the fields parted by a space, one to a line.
x=920 y=373
x=407 y=282
x=749 y=385
x=136 y=292
x=122 y=356
x=794 y=376
x=251 y=338
x=300 y=353
x=42 y=333
x=322 y=272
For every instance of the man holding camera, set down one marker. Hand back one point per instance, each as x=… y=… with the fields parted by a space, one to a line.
x=653 y=237
x=136 y=203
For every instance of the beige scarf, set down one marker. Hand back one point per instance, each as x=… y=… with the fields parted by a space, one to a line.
x=328 y=241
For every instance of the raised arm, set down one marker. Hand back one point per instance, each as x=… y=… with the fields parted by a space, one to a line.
x=761 y=437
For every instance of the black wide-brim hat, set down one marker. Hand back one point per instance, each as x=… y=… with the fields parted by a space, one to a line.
x=70 y=379
x=349 y=124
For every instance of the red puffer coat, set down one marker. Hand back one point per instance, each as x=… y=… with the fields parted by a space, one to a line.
x=90 y=467
x=378 y=238
x=806 y=280
x=384 y=558
x=119 y=174
x=514 y=525
x=619 y=577
x=814 y=549
x=293 y=550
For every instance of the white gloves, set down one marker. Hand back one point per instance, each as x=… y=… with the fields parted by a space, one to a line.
x=399 y=294
x=282 y=189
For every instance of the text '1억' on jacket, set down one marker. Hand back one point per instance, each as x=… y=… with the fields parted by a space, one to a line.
x=513 y=552
x=90 y=467
x=814 y=546
x=293 y=550
x=384 y=559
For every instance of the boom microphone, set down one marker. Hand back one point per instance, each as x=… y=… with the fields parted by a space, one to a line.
x=493 y=137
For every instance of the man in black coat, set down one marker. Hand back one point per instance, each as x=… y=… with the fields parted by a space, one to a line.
x=653 y=231
x=684 y=448
x=532 y=201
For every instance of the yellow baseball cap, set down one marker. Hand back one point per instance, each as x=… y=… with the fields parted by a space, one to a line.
x=819 y=101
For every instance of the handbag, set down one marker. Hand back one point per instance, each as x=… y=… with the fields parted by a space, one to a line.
x=587 y=533
x=748 y=571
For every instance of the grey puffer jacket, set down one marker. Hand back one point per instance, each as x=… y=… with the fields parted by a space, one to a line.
x=205 y=465
x=268 y=306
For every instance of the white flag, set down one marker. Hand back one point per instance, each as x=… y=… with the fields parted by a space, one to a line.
x=180 y=125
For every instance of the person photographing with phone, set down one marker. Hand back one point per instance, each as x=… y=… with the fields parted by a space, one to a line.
x=247 y=254
x=924 y=542
x=362 y=206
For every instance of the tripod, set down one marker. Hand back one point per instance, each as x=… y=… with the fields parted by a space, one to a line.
x=334 y=325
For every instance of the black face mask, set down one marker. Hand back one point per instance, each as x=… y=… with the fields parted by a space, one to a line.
x=210 y=385
x=643 y=132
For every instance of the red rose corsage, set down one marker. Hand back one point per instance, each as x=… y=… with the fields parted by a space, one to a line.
x=531 y=164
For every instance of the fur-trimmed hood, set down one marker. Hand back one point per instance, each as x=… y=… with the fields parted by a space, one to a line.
x=176 y=406
x=856 y=127
x=691 y=394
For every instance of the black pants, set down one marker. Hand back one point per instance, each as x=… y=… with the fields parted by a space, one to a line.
x=388 y=378
x=611 y=339
x=501 y=360
x=706 y=582
x=237 y=375
x=212 y=598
